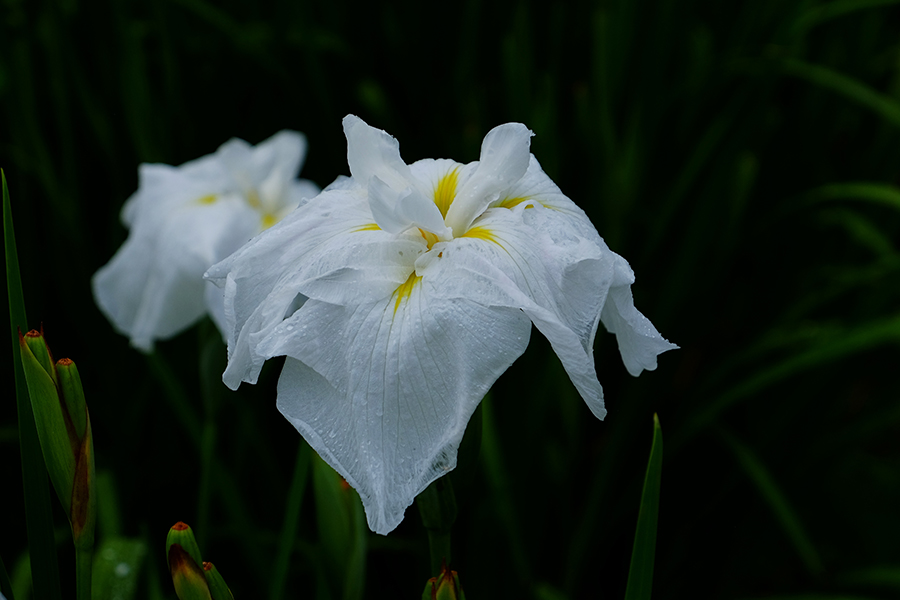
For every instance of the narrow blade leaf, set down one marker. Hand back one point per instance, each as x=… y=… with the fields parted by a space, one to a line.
x=640 y=573
x=38 y=518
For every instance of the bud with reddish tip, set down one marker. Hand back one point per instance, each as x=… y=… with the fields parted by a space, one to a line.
x=444 y=587
x=182 y=534
x=64 y=431
x=217 y=586
x=192 y=577
x=187 y=575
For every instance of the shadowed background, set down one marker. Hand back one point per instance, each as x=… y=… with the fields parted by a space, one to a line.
x=741 y=156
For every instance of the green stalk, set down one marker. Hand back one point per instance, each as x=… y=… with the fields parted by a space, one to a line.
x=291 y=520
x=83 y=563
x=437 y=506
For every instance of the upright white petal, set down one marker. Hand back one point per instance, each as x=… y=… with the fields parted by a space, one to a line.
x=504 y=160
x=374 y=153
x=383 y=391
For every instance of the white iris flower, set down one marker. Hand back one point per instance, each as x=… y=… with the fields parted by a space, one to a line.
x=401 y=293
x=184 y=219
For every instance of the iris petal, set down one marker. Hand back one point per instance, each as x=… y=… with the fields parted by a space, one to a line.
x=384 y=396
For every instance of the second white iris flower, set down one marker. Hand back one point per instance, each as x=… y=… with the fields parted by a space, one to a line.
x=400 y=294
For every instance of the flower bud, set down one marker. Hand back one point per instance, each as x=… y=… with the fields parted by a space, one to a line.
x=69 y=383
x=216 y=583
x=59 y=445
x=38 y=346
x=64 y=432
x=444 y=587
x=182 y=534
x=187 y=576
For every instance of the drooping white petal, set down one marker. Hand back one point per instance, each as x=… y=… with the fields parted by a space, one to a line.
x=504 y=160
x=559 y=283
x=328 y=249
x=639 y=341
x=214 y=299
x=153 y=286
x=383 y=391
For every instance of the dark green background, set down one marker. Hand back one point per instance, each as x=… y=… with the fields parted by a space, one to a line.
x=700 y=137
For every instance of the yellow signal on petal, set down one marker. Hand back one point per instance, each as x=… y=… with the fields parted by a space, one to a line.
x=445 y=191
x=268 y=220
x=430 y=238
x=369 y=227
x=253 y=199
x=511 y=202
x=405 y=290
x=481 y=233
x=208 y=199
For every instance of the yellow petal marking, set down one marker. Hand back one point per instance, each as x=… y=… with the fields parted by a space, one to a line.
x=481 y=233
x=445 y=191
x=268 y=220
x=369 y=227
x=430 y=238
x=405 y=290
x=208 y=199
x=253 y=199
x=511 y=202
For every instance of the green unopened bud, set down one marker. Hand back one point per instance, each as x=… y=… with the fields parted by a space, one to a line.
x=216 y=583
x=187 y=576
x=181 y=534
x=83 y=514
x=38 y=347
x=72 y=395
x=64 y=431
x=444 y=587
x=58 y=445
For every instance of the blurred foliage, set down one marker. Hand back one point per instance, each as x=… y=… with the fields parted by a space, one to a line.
x=743 y=156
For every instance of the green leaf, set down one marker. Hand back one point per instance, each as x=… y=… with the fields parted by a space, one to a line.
x=860 y=93
x=437 y=506
x=825 y=12
x=117 y=568
x=291 y=520
x=342 y=530
x=833 y=345
x=886 y=577
x=640 y=573
x=38 y=517
x=878 y=193
x=773 y=496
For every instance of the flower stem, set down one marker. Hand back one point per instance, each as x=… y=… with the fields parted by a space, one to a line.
x=437 y=506
x=83 y=564
x=291 y=519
